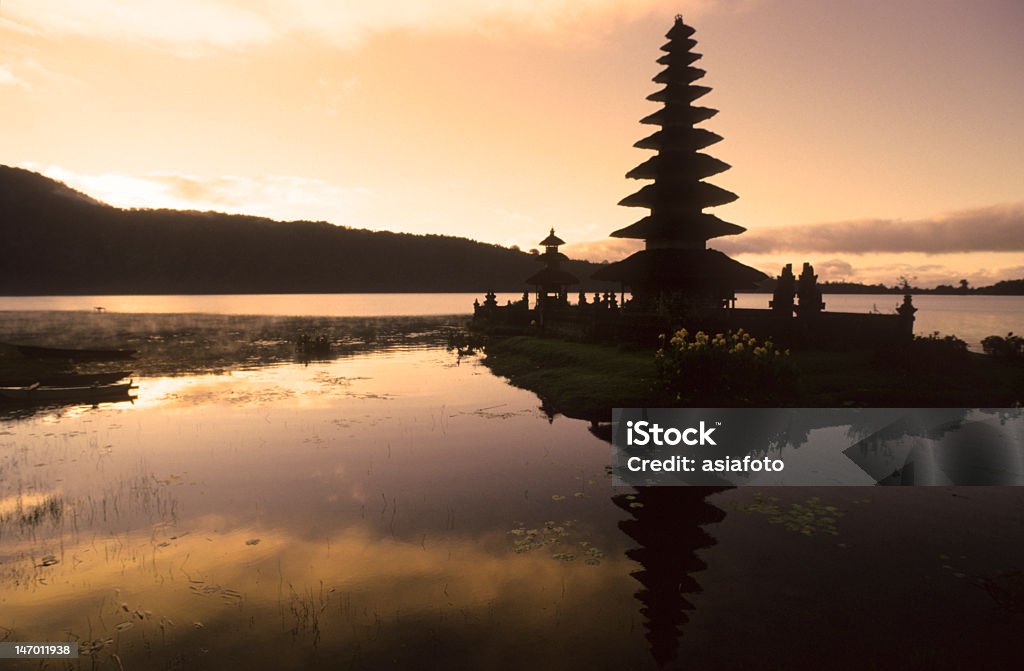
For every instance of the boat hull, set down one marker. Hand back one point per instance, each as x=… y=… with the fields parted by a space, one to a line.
x=37 y=394
x=65 y=379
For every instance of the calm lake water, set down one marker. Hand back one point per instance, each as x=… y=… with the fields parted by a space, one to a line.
x=397 y=507
x=968 y=317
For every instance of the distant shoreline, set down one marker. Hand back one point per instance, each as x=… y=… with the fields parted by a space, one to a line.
x=825 y=289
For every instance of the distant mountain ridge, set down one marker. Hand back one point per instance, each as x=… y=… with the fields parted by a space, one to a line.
x=56 y=240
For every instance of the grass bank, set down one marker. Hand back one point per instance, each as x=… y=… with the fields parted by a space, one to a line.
x=586 y=381
x=579 y=380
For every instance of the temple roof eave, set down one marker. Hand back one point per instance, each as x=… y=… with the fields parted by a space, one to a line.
x=552 y=276
x=692 y=140
x=700 y=195
x=689 y=164
x=674 y=266
x=680 y=30
x=702 y=227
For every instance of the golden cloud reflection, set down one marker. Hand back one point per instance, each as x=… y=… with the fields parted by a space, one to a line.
x=163 y=592
x=21 y=502
x=306 y=387
x=358 y=507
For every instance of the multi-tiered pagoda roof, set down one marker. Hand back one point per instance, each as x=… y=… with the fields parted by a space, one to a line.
x=676 y=259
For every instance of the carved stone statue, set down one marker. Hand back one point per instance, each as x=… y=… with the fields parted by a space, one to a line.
x=785 y=290
x=809 y=293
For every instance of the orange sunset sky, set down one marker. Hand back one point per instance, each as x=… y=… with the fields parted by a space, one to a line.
x=875 y=138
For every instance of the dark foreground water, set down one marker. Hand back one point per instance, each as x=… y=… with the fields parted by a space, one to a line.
x=398 y=508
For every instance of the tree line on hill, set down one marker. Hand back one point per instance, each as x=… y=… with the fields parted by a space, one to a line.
x=59 y=241
x=1002 y=288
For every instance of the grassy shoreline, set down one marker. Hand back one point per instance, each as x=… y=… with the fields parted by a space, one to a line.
x=585 y=381
x=579 y=380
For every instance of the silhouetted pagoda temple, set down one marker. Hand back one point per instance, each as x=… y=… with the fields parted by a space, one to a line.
x=676 y=264
x=676 y=281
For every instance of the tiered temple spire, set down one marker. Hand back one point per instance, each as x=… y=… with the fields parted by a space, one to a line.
x=676 y=260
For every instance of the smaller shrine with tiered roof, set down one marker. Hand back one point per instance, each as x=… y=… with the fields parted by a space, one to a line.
x=551 y=282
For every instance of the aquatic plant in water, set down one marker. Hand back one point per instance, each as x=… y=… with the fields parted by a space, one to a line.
x=554 y=534
x=808 y=517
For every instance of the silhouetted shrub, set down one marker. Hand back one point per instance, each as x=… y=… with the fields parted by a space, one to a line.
x=931 y=354
x=1012 y=346
x=936 y=346
x=723 y=370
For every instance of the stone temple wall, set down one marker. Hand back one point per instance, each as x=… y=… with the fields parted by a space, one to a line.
x=818 y=331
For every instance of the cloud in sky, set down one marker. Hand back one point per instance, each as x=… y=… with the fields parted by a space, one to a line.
x=186 y=22
x=979 y=268
x=194 y=24
x=997 y=228
x=282 y=197
x=608 y=249
x=8 y=78
x=920 y=275
x=876 y=250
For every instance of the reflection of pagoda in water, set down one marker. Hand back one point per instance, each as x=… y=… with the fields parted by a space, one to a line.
x=666 y=523
x=676 y=261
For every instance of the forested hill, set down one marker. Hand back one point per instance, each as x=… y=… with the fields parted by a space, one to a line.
x=58 y=241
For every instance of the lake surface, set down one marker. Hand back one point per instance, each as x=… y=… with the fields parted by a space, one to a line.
x=397 y=507
x=968 y=317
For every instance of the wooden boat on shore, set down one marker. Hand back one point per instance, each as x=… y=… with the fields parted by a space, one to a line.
x=64 y=379
x=39 y=394
x=36 y=352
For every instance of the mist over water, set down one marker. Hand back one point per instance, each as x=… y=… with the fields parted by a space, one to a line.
x=970 y=318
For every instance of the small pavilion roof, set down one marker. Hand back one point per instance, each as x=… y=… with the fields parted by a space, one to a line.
x=552 y=240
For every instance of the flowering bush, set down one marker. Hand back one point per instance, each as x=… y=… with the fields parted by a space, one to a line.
x=727 y=369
